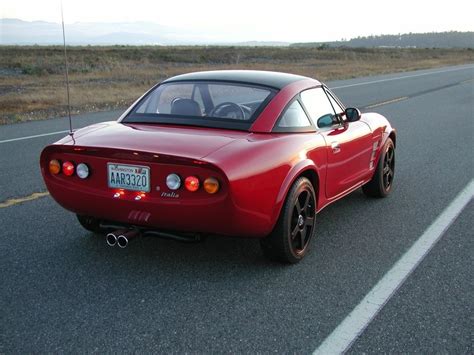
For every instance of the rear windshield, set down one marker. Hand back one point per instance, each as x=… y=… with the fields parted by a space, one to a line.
x=210 y=104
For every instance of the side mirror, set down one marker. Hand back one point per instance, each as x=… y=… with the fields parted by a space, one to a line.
x=325 y=121
x=352 y=114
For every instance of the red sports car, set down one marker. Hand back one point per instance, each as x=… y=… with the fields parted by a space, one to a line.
x=239 y=153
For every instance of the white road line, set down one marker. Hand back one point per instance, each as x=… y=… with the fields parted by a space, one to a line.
x=35 y=136
x=399 y=78
x=355 y=323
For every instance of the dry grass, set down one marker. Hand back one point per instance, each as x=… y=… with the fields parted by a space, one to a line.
x=104 y=78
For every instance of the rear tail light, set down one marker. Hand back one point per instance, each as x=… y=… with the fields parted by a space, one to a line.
x=191 y=183
x=82 y=170
x=211 y=185
x=54 y=167
x=173 y=181
x=68 y=168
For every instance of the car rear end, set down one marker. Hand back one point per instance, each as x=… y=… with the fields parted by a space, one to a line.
x=154 y=167
x=145 y=189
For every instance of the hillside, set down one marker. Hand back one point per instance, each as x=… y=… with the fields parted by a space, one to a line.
x=451 y=39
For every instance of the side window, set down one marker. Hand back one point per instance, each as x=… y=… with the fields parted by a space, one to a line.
x=294 y=116
x=317 y=105
x=334 y=103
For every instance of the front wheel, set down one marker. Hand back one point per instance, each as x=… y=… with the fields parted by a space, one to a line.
x=381 y=183
x=289 y=240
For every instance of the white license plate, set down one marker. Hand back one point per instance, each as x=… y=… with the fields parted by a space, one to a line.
x=128 y=177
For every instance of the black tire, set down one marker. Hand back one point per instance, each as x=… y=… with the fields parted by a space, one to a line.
x=90 y=223
x=289 y=240
x=381 y=183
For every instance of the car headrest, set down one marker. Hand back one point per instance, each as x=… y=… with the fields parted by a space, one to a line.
x=186 y=107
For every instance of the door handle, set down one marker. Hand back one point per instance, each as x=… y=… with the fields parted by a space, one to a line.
x=336 y=148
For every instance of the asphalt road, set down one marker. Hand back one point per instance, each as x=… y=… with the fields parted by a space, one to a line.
x=64 y=290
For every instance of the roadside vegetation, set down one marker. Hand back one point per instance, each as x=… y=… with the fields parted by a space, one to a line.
x=32 y=84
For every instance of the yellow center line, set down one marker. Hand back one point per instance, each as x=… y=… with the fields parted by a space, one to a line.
x=15 y=201
x=387 y=102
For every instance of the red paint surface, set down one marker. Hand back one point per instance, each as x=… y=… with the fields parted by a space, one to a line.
x=255 y=170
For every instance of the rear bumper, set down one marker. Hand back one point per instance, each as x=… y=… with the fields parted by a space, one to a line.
x=219 y=216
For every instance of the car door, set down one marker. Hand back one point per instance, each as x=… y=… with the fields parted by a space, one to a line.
x=348 y=144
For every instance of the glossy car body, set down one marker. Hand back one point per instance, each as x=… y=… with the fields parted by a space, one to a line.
x=255 y=165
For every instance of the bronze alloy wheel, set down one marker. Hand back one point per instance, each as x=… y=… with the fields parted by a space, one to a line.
x=301 y=222
x=382 y=181
x=388 y=167
x=290 y=239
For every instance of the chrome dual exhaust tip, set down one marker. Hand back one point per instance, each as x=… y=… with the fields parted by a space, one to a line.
x=111 y=239
x=121 y=238
x=124 y=239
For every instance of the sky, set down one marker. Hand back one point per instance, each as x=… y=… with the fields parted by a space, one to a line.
x=246 y=20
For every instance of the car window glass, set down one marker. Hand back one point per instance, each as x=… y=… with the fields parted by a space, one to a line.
x=171 y=93
x=161 y=101
x=206 y=100
x=196 y=96
x=145 y=106
x=294 y=116
x=238 y=94
x=335 y=104
x=316 y=103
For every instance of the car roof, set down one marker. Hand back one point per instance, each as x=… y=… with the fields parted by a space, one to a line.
x=272 y=79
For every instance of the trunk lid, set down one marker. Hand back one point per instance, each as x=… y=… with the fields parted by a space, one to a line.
x=189 y=142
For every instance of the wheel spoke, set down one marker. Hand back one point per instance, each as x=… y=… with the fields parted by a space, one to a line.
x=387 y=178
x=294 y=232
x=298 y=206
x=390 y=155
x=386 y=169
x=306 y=201
x=302 y=238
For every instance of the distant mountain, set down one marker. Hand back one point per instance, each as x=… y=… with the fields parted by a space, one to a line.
x=19 y=32
x=14 y=31
x=451 y=39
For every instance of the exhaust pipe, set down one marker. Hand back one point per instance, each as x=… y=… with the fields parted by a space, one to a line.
x=124 y=238
x=111 y=239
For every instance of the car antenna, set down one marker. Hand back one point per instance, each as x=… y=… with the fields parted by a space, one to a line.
x=67 y=73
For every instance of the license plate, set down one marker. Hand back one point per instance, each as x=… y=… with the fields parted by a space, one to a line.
x=128 y=177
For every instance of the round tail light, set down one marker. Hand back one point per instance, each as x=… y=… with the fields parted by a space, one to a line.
x=211 y=185
x=68 y=168
x=82 y=170
x=54 y=167
x=173 y=181
x=191 y=183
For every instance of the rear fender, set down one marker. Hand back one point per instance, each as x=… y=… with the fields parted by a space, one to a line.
x=299 y=169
